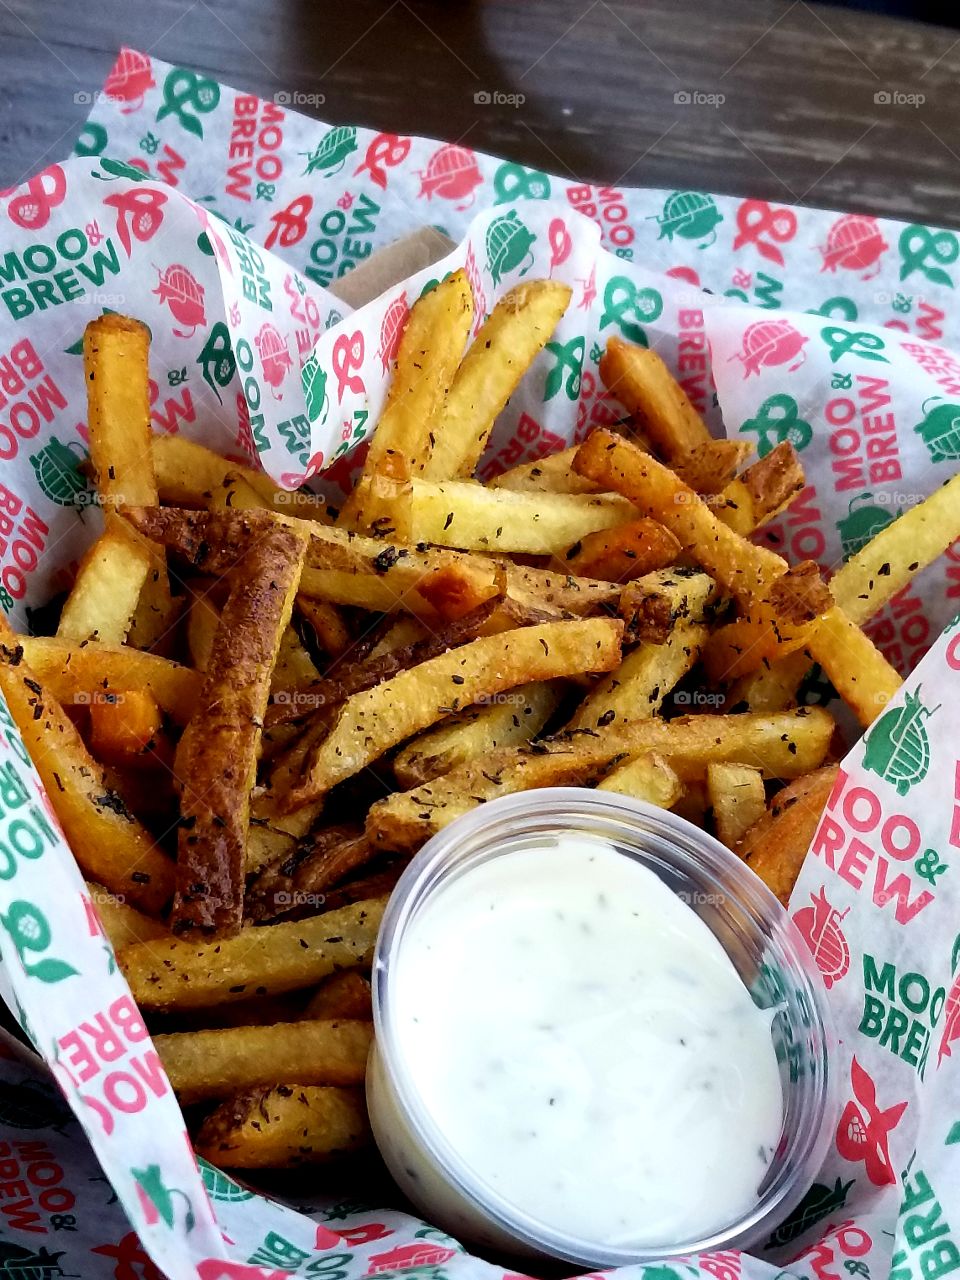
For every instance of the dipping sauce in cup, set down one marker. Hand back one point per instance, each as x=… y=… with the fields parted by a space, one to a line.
x=598 y=1036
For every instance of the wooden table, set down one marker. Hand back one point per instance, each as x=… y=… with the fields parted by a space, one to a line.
x=798 y=102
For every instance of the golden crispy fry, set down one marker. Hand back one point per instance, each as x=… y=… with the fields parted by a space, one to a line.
x=104 y=596
x=743 y=569
x=185 y=974
x=278 y=1128
x=299 y=881
x=235 y=493
x=203 y=619
x=553 y=474
x=854 y=665
x=508 y=720
x=508 y=341
x=653 y=605
x=294 y=667
x=776 y=845
x=774 y=625
x=122 y=923
x=647 y=777
x=326 y=622
x=273 y=835
x=73 y=673
x=467 y=515
x=427 y=360
x=124 y=725
x=109 y=844
x=547 y=588
x=212 y=1064
x=404 y=631
x=760 y=492
x=619 y=555
x=737 y=797
x=377 y=719
x=637 y=688
x=648 y=391
x=343 y=995
x=783 y=745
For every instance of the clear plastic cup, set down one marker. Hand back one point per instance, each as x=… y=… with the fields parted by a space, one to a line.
x=754 y=930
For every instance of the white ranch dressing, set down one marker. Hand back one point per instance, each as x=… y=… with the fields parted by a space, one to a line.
x=583 y=1042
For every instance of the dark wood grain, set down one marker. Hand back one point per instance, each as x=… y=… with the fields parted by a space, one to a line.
x=799 y=120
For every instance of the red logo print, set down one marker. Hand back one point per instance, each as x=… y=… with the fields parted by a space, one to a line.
x=770 y=342
x=951 y=1021
x=129 y=80
x=854 y=241
x=138 y=214
x=819 y=925
x=385 y=149
x=451 y=172
x=178 y=288
x=864 y=1130
x=40 y=197
x=757 y=219
x=274 y=356
x=391 y=330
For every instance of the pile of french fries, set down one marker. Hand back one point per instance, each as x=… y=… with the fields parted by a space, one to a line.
x=255 y=708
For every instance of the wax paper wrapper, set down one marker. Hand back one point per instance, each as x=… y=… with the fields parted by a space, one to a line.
x=876 y=900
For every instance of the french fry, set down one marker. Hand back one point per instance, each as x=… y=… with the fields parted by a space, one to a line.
x=285 y=1126
x=647 y=777
x=760 y=492
x=508 y=341
x=552 y=474
x=272 y=835
x=74 y=673
x=738 y=799
x=109 y=844
x=637 y=688
x=184 y=974
x=626 y=552
x=776 y=845
x=854 y=665
x=427 y=360
x=343 y=995
x=774 y=625
x=212 y=1064
x=402 y=631
x=653 y=605
x=372 y=722
x=104 y=597
x=122 y=923
x=235 y=493
x=648 y=391
x=515 y=718
x=782 y=745
x=294 y=668
x=203 y=619
x=124 y=725
x=327 y=625
x=302 y=878
x=740 y=567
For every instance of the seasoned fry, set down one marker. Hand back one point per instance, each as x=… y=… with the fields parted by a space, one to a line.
x=619 y=555
x=110 y=845
x=854 y=665
x=508 y=341
x=327 y=624
x=185 y=974
x=427 y=360
x=73 y=673
x=776 y=845
x=637 y=688
x=124 y=725
x=104 y=597
x=552 y=474
x=212 y=1064
x=653 y=605
x=509 y=720
x=345 y=994
x=235 y=493
x=122 y=923
x=301 y=878
x=294 y=668
x=737 y=797
x=464 y=514
x=203 y=618
x=647 y=777
x=377 y=719
x=760 y=492
x=282 y=1127
x=740 y=567
x=274 y=836
x=783 y=745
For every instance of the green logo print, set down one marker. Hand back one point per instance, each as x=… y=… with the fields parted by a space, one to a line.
x=57 y=468
x=187 y=96
x=919 y=244
x=692 y=215
x=509 y=243
x=778 y=419
x=860 y=524
x=514 y=182
x=314 y=381
x=565 y=374
x=622 y=299
x=818 y=1203
x=897 y=747
x=843 y=342
x=29 y=930
x=217 y=360
x=940 y=431
x=158 y=1200
x=219 y=1186
x=330 y=154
